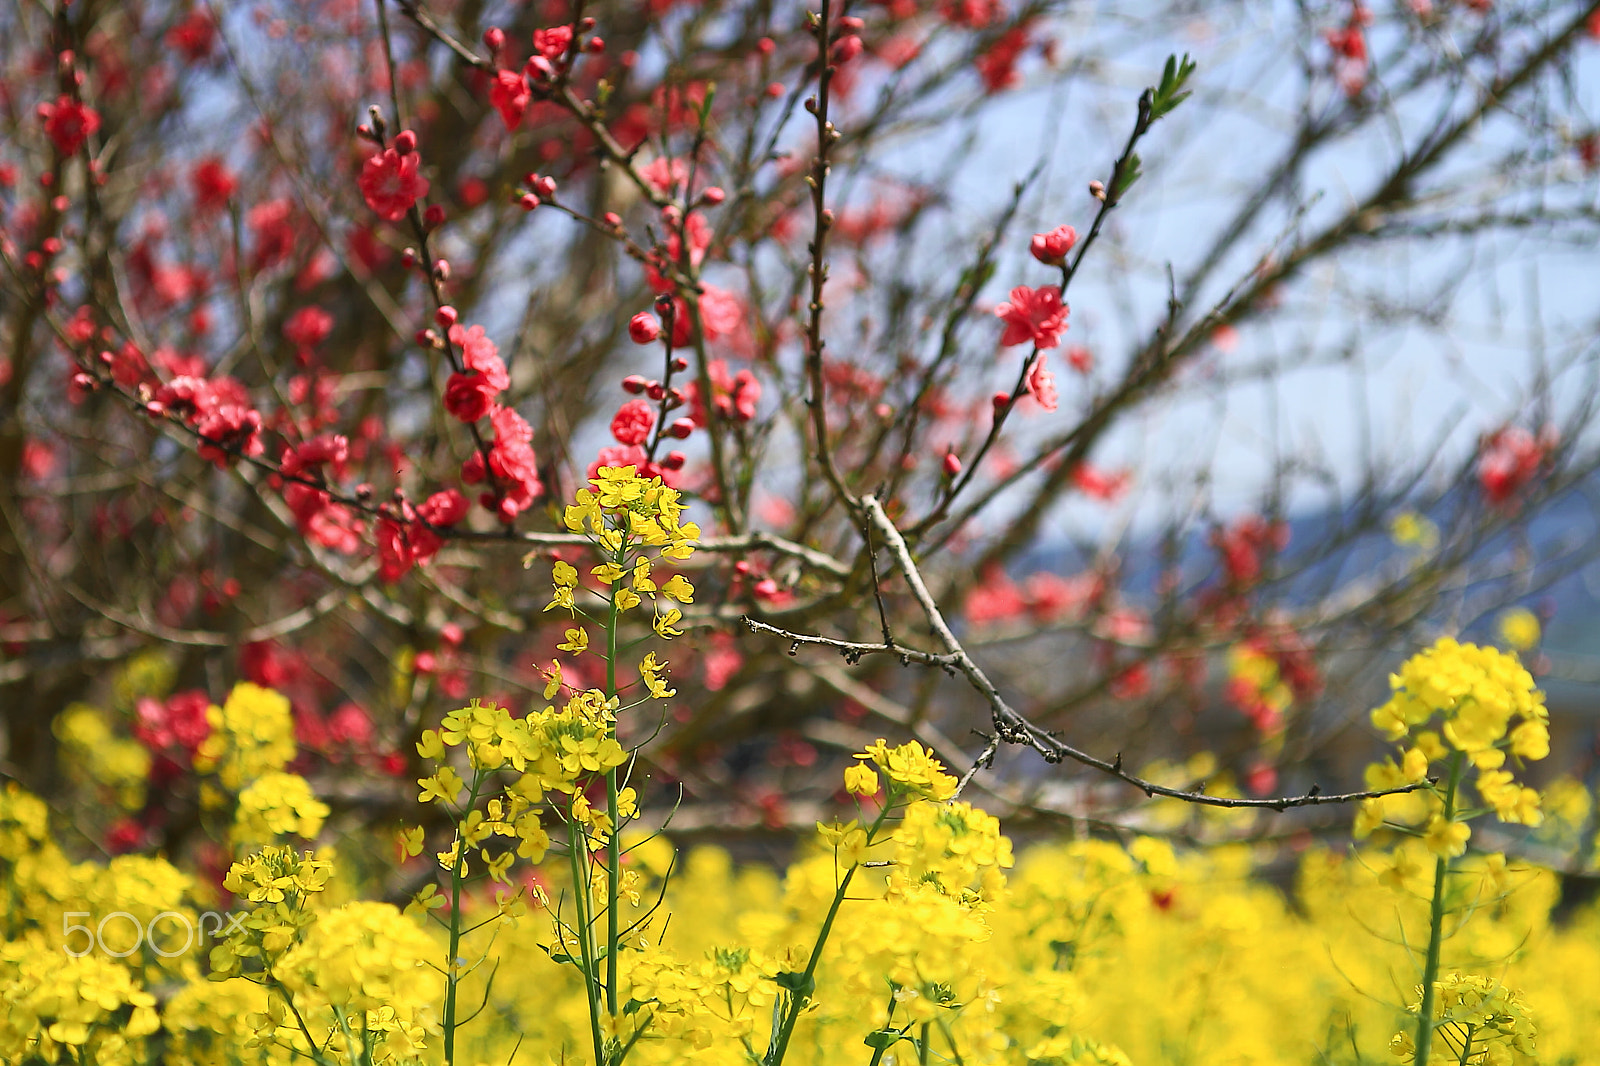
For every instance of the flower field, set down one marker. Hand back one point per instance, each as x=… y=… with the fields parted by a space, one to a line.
x=524 y=912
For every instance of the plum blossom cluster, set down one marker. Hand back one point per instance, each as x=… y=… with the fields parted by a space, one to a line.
x=1038 y=317
x=1241 y=545
x=1348 y=47
x=218 y=409
x=304 y=470
x=1510 y=459
x=1033 y=316
x=554 y=51
x=69 y=123
x=472 y=391
x=391 y=179
x=411 y=535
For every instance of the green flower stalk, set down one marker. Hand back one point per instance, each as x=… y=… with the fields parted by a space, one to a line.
x=1485 y=710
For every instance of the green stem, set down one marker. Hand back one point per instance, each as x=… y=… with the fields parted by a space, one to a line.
x=453 y=964
x=798 y=999
x=950 y=1039
x=580 y=897
x=613 y=851
x=305 y=1031
x=1430 y=969
x=877 y=1052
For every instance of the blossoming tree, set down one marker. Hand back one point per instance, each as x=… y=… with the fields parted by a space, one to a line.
x=315 y=313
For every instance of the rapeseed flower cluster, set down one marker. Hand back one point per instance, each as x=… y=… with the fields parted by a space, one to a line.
x=24 y=822
x=251 y=742
x=635 y=524
x=911 y=769
x=86 y=1009
x=1479 y=1022
x=279 y=885
x=354 y=977
x=365 y=968
x=252 y=733
x=278 y=804
x=92 y=749
x=1463 y=707
x=1482 y=706
x=82 y=944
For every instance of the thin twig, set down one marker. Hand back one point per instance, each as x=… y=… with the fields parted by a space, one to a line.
x=817 y=180
x=1012 y=728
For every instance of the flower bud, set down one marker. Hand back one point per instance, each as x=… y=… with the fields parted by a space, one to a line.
x=405 y=142
x=679 y=365
x=714 y=195
x=1001 y=400
x=445 y=316
x=655 y=390
x=681 y=428
x=643 y=328
x=952 y=464
x=434 y=215
x=527 y=201
x=674 y=461
x=612 y=219
x=1097 y=189
x=633 y=383
x=494 y=38
x=595 y=45
x=545 y=186
x=1051 y=248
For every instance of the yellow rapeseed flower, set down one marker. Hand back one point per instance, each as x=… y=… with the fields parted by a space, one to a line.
x=860 y=780
x=1519 y=627
x=1446 y=839
x=912 y=770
